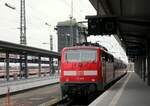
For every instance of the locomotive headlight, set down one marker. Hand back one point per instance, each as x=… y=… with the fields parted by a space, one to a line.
x=67 y=80
x=93 y=80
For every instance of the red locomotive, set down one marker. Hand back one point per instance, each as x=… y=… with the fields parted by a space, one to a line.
x=86 y=69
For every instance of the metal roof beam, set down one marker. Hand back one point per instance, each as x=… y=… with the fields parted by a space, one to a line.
x=134 y=20
x=21 y=49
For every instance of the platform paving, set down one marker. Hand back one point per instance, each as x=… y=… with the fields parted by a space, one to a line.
x=25 y=84
x=128 y=91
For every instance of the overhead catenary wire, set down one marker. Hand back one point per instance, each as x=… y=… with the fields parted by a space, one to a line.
x=74 y=10
x=38 y=17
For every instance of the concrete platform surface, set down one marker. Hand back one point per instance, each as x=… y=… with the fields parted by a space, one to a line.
x=129 y=91
x=24 y=84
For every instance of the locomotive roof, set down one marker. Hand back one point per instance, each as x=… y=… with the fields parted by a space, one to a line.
x=84 y=47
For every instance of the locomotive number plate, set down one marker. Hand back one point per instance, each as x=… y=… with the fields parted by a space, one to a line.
x=80 y=73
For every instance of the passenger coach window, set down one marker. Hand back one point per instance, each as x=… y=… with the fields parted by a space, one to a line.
x=81 y=55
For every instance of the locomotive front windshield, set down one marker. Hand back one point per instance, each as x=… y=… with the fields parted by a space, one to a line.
x=81 y=55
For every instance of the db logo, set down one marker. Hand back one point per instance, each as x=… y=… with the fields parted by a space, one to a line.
x=80 y=73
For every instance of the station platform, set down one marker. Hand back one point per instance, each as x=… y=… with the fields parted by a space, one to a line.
x=128 y=91
x=25 y=84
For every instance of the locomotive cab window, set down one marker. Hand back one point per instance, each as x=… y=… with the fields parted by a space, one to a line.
x=81 y=55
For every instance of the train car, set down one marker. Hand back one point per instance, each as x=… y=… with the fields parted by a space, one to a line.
x=14 y=71
x=88 y=69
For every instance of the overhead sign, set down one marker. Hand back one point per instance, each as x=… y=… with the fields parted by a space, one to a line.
x=131 y=51
x=100 y=25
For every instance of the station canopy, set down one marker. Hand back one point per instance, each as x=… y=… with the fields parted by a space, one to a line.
x=133 y=22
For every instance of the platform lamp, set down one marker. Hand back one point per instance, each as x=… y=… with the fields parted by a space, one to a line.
x=51 y=49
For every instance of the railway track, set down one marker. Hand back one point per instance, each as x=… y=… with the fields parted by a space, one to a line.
x=66 y=101
x=76 y=101
x=83 y=101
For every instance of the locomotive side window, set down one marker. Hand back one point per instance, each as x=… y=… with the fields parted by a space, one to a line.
x=111 y=58
x=106 y=57
x=81 y=55
x=103 y=57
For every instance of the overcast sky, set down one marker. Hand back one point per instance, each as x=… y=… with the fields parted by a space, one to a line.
x=39 y=12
